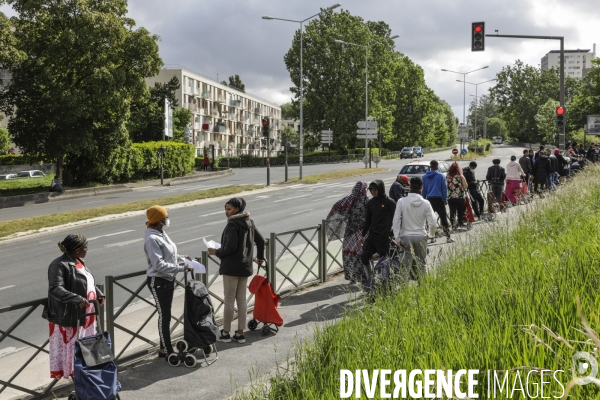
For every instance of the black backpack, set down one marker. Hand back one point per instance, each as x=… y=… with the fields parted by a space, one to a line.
x=248 y=241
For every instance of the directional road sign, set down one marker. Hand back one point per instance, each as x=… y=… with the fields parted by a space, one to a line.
x=463 y=136
x=367 y=131
x=326 y=133
x=366 y=136
x=363 y=124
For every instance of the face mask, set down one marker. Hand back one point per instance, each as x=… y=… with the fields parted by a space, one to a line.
x=167 y=223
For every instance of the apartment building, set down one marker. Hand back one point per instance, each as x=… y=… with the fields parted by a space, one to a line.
x=224 y=117
x=577 y=62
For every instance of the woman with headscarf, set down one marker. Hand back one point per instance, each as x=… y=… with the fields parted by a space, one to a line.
x=346 y=221
x=236 y=255
x=163 y=266
x=71 y=286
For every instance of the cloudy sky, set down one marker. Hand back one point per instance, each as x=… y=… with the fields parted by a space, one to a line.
x=224 y=38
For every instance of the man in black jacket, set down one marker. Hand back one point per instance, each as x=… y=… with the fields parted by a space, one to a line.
x=378 y=224
x=469 y=173
x=496 y=177
x=527 y=166
x=399 y=188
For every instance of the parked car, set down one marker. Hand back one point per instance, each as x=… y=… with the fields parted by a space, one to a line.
x=408 y=152
x=8 y=176
x=497 y=140
x=31 y=174
x=420 y=168
x=420 y=151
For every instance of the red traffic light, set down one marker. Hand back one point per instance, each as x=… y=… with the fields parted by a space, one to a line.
x=265 y=122
x=560 y=110
x=478 y=28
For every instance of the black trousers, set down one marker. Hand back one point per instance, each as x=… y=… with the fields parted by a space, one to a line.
x=373 y=244
x=162 y=290
x=457 y=206
x=541 y=185
x=440 y=208
x=478 y=203
x=497 y=189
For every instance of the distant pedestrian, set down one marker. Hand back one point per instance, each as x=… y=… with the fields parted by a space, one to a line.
x=236 y=255
x=56 y=185
x=378 y=225
x=541 y=169
x=163 y=265
x=496 y=176
x=457 y=191
x=346 y=220
x=205 y=163
x=526 y=166
x=436 y=192
x=411 y=217
x=478 y=203
x=562 y=165
x=399 y=188
x=71 y=287
x=552 y=179
x=514 y=176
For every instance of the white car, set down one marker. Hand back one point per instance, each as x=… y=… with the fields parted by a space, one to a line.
x=31 y=174
x=8 y=176
x=497 y=140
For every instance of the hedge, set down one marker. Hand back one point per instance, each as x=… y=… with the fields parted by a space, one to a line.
x=19 y=159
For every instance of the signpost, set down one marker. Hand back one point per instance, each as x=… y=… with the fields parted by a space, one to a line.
x=368 y=131
x=455 y=151
x=327 y=138
x=593 y=125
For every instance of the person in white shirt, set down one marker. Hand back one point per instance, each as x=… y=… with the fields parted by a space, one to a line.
x=409 y=226
x=514 y=174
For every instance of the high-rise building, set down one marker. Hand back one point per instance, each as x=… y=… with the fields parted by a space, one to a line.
x=224 y=116
x=577 y=62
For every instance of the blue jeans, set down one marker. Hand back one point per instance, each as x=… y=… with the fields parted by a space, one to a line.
x=555 y=178
x=549 y=180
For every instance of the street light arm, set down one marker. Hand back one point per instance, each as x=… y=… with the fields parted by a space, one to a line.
x=281 y=19
x=487 y=66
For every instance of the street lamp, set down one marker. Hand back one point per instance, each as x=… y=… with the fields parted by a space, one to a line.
x=268 y=17
x=464 y=74
x=476 y=97
x=366 y=47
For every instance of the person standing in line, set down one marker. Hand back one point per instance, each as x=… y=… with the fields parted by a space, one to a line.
x=514 y=175
x=399 y=188
x=205 y=162
x=457 y=190
x=552 y=179
x=412 y=215
x=436 y=192
x=163 y=266
x=478 y=203
x=236 y=255
x=346 y=220
x=541 y=169
x=496 y=176
x=71 y=287
x=378 y=226
x=527 y=167
x=562 y=166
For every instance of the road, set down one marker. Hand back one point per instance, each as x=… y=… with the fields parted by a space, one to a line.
x=116 y=246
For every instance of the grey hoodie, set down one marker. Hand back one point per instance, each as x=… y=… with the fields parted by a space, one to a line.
x=411 y=214
x=161 y=254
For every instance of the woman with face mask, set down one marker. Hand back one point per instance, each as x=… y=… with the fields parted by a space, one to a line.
x=163 y=266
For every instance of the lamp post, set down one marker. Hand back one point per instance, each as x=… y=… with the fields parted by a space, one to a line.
x=476 y=97
x=366 y=47
x=301 y=22
x=464 y=74
x=161 y=153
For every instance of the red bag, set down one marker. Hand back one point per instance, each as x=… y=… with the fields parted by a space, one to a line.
x=265 y=301
x=524 y=187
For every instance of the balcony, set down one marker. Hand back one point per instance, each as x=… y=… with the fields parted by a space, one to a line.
x=235 y=103
x=219 y=129
x=191 y=106
x=252 y=121
x=202 y=111
x=205 y=94
x=206 y=127
x=215 y=113
x=234 y=117
x=219 y=99
x=257 y=110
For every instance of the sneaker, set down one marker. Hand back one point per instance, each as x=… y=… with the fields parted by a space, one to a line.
x=225 y=338
x=450 y=240
x=239 y=338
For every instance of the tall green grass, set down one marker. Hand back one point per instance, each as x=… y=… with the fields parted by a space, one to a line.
x=501 y=308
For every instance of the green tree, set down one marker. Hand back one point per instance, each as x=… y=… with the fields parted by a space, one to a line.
x=181 y=118
x=288 y=111
x=495 y=127
x=5 y=141
x=236 y=83
x=586 y=101
x=546 y=122
x=76 y=68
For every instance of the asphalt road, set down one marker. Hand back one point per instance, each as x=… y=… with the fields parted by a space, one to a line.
x=116 y=246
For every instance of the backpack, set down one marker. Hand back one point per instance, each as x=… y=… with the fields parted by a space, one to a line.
x=248 y=241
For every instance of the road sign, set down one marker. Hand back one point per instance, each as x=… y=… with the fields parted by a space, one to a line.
x=463 y=151
x=463 y=136
x=455 y=151
x=367 y=131
x=326 y=133
x=363 y=124
x=366 y=136
x=593 y=125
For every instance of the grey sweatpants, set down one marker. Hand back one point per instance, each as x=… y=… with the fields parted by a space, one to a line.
x=415 y=255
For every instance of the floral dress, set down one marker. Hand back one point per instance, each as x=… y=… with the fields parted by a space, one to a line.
x=62 y=339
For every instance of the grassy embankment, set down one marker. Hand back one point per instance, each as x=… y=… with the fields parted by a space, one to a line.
x=336 y=175
x=487 y=310
x=14 y=187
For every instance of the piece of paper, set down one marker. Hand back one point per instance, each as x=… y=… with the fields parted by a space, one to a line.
x=211 y=244
x=198 y=267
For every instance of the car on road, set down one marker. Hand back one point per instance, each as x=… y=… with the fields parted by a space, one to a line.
x=420 y=168
x=497 y=140
x=31 y=174
x=8 y=176
x=420 y=151
x=408 y=152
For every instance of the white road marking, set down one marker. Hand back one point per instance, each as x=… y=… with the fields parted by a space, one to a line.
x=193 y=240
x=45 y=241
x=96 y=201
x=109 y=234
x=214 y=223
x=121 y=244
x=300 y=212
x=290 y=198
x=262 y=197
x=6 y=287
x=215 y=213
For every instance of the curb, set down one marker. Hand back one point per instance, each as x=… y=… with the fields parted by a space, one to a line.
x=194 y=178
x=37 y=198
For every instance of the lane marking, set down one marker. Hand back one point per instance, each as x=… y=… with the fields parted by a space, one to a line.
x=95 y=201
x=215 y=223
x=111 y=234
x=6 y=287
x=290 y=198
x=215 y=213
x=193 y=240
x=299 y=212
x=121 y=244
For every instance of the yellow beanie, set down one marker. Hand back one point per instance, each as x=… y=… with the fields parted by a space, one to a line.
x=155 y=214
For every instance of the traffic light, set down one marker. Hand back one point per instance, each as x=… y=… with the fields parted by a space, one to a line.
x=560 y=116
x=409 y=109
x=478 y=36
x=265 y=127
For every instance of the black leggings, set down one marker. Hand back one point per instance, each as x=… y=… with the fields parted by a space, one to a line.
x=457 y=206
x=478 y=203
x=162 y=290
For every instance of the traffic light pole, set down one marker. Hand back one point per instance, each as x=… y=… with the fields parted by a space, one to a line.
x=561 y=130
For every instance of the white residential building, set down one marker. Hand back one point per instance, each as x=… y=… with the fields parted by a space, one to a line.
x=227 y=118
x=577 y=62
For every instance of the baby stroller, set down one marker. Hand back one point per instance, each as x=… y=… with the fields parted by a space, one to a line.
x=265 y=304
x=95 y=372
x=387 y=268
x=493 y=207
x=200 y=331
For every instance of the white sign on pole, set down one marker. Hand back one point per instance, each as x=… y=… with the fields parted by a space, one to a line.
x=463 y=130
x=593 y=125
x=463 y=136
x=366 y=136
x=327 y=133
x=366 y=131
x=168 y=119
x=365 y=124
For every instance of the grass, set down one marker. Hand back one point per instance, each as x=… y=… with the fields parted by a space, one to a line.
x=505 y=307
x=470 y=156
x=46 y=221
x=335 y=175
x=15 y=187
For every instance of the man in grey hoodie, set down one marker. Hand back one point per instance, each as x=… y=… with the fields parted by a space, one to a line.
x=413 y=214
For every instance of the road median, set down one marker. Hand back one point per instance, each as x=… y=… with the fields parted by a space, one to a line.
x=335 y=175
